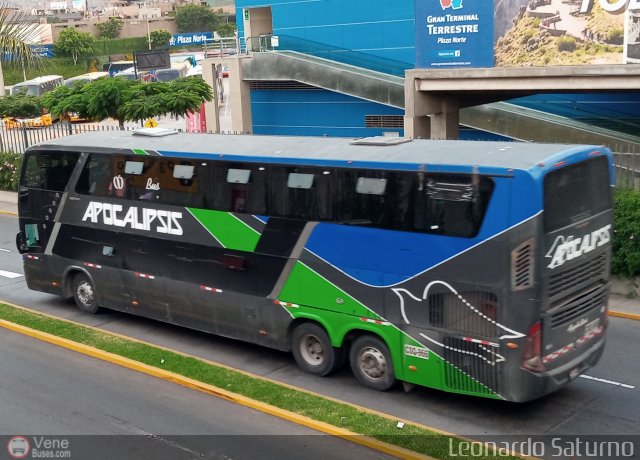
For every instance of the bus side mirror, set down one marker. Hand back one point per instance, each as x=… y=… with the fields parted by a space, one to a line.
x=21 y=243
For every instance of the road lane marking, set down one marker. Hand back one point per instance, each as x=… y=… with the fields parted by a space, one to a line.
x=609 y=382
x=7 y=274
x=4 y=250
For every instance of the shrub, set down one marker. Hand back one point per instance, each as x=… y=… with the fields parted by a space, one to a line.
x=626 y=235
x=9 y=168
x=566 y=44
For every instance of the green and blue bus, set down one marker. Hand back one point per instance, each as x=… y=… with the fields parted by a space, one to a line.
x=479 y=268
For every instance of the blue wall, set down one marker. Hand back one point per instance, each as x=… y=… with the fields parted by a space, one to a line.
x=315 y=113
x=378 y=34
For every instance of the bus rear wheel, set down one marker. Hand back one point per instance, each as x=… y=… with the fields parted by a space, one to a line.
x=371 y=363
x=84 y=294
x=313 y=351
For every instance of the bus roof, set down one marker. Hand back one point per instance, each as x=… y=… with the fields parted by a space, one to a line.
x=90 y=76
x=39 y=80
x=400 y=154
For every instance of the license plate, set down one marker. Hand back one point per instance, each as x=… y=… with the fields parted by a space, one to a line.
x=592 y=326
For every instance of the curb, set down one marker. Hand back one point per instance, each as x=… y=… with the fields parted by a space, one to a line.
x=620 y=314
x=323 y=427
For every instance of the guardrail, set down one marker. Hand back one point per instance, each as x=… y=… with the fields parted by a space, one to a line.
x=20 y=138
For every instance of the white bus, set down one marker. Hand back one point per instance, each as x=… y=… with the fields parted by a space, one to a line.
x=177 y=70
x=37 y=86
x=85 y=78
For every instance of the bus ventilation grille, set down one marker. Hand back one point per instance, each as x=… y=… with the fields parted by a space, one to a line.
x=522 y=266
x=578 y=276
x=467 y=312
x=586 y=301
x=473 y=366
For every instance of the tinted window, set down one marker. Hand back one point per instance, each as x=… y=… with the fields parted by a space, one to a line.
x=452 y=205
x=576 y=192
x=49 y=171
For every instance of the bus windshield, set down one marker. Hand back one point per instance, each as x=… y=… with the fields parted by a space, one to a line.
x=576 y=192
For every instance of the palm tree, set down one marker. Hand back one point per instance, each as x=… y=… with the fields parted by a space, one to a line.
x=17 y=35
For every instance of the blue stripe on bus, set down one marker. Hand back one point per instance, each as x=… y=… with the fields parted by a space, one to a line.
x=384 y=257
x=381 y=165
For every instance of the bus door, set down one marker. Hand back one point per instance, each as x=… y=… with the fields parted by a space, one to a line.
x=44 y=179
x=144 y=279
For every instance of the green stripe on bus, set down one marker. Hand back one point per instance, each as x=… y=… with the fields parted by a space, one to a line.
x=140 y=152
x=311 y=293
x=231 y=232
x=304 y=286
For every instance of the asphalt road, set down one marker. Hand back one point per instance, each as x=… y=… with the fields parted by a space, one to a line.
x=52 y=392
x=586 y=406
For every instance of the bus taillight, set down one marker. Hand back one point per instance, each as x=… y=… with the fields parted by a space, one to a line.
x=532 y=353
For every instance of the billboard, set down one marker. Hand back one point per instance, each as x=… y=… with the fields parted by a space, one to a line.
x=193 y=38
x=152 y=59
x=485 y=33
x=454 y=33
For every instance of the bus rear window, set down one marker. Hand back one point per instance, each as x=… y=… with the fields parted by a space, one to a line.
x=576 y=192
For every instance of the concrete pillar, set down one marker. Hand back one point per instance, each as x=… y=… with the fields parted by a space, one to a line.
x=239 y=97
x=427 y=115
x=445 y=124
x=211 y=109
x=417 y=124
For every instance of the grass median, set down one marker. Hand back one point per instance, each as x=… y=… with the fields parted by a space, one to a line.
x=342 y=415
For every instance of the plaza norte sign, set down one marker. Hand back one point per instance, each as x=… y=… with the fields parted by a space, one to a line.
x=615 y=7
x=194 y=38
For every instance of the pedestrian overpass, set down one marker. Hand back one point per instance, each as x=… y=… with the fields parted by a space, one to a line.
x=437 y=102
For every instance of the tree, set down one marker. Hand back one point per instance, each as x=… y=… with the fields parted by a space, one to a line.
x=228 y=29
x=73 y=43
x=129 y=100
x=110 y=29
x=160 y=38
x=17 y=34
x=20 y=106
x=196 y=18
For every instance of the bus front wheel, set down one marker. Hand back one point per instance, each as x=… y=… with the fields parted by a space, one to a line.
x=313 y=351
x=371 y=363
x=84 y=294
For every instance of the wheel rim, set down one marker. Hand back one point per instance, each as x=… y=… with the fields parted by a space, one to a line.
x=311 y=350
x=373 y=364
x=85 y=293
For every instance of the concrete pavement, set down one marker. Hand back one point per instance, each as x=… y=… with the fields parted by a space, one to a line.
x=622 y=300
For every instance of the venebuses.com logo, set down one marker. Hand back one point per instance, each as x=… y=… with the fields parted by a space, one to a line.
x=18 y=447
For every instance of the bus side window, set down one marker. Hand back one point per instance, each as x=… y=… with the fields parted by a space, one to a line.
x=34 y=171
x=95 y=176
x=451 y=205
x=49 y=171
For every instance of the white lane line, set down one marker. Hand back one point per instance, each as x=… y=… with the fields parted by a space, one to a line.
x=10 y=274
x=610 y=382
x=4 y=250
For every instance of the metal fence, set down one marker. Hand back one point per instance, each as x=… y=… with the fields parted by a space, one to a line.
x=627 y=170
x=19 y=139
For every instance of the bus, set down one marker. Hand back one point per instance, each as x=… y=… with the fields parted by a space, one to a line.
x=177 y=70
x=479 y=268
x=116 y=66
x=82 y=79
x=85 y=78
x=34 y=87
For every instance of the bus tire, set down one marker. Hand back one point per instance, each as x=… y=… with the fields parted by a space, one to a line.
x=84 y=294
x=313 y=351
x=371 y=363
